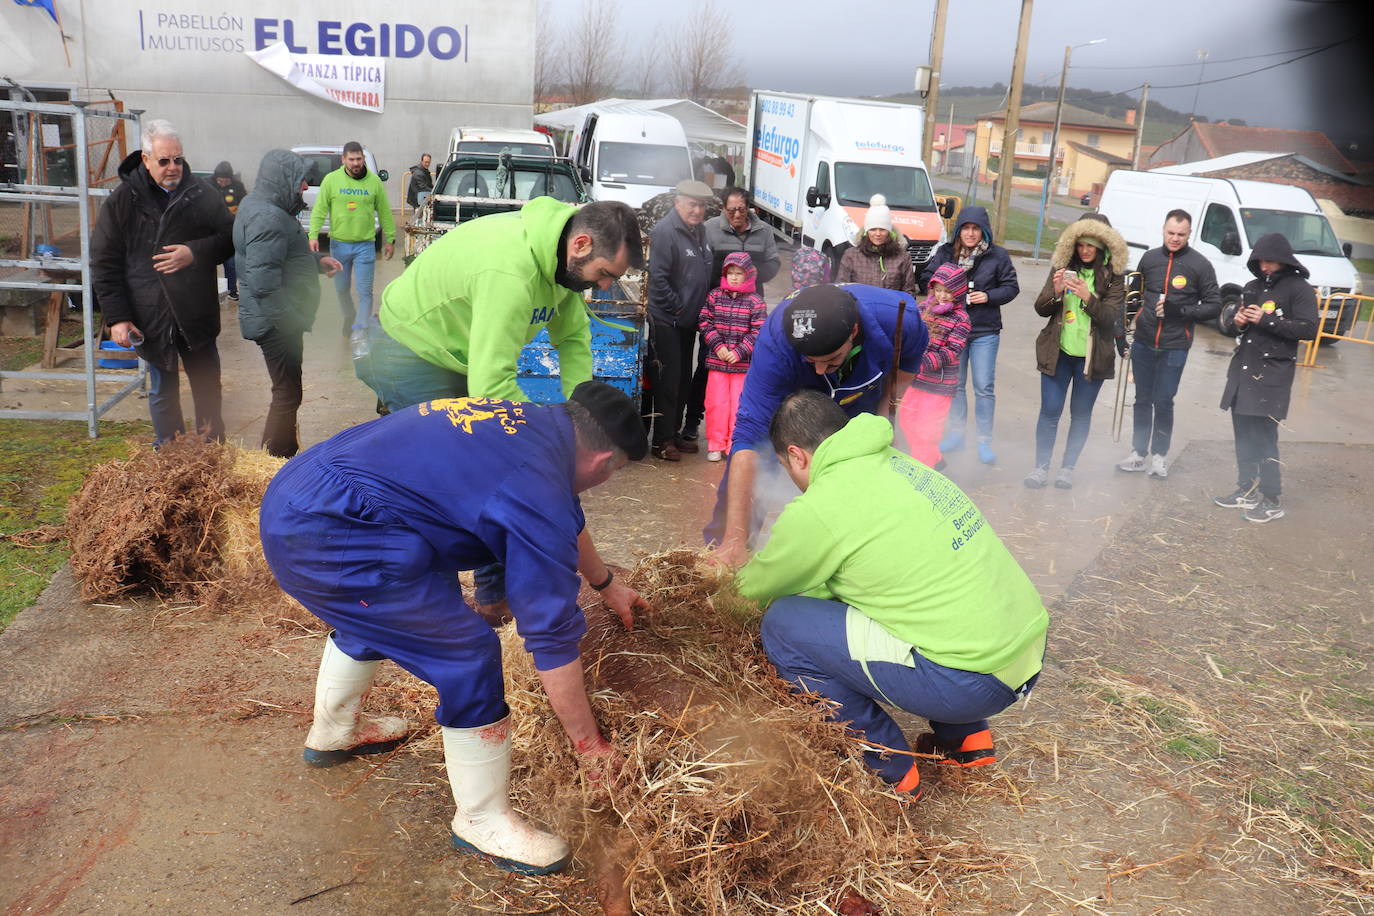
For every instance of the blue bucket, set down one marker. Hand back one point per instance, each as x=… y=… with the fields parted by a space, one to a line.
x=111 y=346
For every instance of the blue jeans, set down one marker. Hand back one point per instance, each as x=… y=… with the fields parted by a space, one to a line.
x=359 y=260
x=1157 y=374
x=981 y=353
x=231 y=277
x=805 y=640
x=164 y=395
x=400 y=378
x=1068 y=370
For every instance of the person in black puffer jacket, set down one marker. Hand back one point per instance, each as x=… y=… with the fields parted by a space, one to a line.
x=1277 y=309
x=991 y=285
x=281 y=287
x=154 y=252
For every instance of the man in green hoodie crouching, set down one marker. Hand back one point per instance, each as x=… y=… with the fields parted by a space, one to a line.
x=885 y=583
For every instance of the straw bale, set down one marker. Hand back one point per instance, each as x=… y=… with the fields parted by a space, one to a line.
x=735 y=796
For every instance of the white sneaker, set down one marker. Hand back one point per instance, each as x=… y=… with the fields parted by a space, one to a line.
x=714 y=456
x=1134 y=462
x=1157 y=467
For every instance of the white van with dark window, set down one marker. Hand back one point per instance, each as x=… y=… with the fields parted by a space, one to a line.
x=1229 y=216
x=629 y=153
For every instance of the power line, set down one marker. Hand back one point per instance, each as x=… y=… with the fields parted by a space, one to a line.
x=1236 y=76
x=1229 y=60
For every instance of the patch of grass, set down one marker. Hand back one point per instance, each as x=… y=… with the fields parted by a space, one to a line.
x=42 y=463
x=19 y=352
x=1194 y=746
x=1363 y=265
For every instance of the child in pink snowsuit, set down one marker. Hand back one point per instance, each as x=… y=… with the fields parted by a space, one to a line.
x=730 y=324
x=926 y=403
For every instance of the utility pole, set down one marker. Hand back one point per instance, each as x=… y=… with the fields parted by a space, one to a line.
x=1006 y=163
x=1049 y=181
x=1140 y=126
x=932 y=100
x=949 y=136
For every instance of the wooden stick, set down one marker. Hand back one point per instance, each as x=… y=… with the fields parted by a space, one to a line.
x=896 y=362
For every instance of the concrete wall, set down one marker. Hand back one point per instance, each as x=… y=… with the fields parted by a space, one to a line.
x=185 y=61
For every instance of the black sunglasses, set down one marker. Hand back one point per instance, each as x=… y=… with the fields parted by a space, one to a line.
x=168 y=160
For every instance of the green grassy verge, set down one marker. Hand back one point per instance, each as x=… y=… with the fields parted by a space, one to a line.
x=42 y=463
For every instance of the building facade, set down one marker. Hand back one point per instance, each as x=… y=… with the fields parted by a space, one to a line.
x=1090 y=147
x=428 y=66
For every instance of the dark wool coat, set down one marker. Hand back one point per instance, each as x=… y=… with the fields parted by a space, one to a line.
x=1260 y=377
x=1104 y=307
x=137 y=220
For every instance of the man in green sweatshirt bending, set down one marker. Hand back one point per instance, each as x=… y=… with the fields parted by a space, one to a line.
x=349 y=196
x=454 y=322
x=885 y=583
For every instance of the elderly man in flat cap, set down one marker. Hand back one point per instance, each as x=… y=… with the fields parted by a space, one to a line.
x=679 y=278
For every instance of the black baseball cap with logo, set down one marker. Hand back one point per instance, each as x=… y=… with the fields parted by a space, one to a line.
x=819 y=319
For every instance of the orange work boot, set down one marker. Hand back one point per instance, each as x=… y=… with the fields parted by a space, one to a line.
x=974 y=751
x=910 y=787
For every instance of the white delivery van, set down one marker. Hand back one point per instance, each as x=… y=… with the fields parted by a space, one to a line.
x=629 y=153
x=815 y=162
x=515 y=141
x=1229 y=216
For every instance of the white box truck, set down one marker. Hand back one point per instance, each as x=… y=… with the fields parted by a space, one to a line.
x=1229 y=216
x=630 y=153
x=815 y=161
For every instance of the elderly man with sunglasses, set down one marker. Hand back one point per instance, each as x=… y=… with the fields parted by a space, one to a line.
x=156 y=244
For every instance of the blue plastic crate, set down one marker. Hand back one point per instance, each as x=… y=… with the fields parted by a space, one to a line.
x=109 y=346
x=619 y=344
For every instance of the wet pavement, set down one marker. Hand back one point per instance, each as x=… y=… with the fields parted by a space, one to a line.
x=654 y=505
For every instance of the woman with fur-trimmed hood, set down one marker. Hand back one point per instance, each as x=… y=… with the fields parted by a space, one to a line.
x=879 y=256
x=1083 y=299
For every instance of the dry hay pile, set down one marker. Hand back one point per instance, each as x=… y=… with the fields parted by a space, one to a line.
x=735 y=797
x=180 y=522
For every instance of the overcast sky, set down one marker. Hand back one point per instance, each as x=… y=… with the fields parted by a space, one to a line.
x=872 y=48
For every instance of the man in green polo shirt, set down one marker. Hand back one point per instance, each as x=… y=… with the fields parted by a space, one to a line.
x=886 y=584
x=350 y=196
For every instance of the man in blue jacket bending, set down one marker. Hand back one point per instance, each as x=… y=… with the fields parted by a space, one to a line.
x=836 y=338
x=367 y=530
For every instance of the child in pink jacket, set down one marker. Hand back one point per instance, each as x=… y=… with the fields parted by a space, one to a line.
x=730 y=324
x=926 y=402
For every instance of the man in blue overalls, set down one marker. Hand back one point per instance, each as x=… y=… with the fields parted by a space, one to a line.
x=367 y=530
x=836 y=338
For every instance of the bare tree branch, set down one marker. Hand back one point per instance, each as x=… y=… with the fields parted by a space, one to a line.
x=646 y=73
x=547 y=53
x=701 y=56
x=591 y=55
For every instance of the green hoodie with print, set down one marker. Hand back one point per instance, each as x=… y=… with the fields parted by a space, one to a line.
x=349 y=203
x=903 y=546
x=483 y=290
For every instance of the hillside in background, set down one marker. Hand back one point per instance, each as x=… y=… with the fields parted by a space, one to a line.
x=1161 y=121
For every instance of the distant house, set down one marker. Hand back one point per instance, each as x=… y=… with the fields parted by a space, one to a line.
x=1201 y=141
x=1090 y=146
x=951 y=148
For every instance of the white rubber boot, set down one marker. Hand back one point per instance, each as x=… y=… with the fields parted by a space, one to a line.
x=339 y=733
x=478 y=762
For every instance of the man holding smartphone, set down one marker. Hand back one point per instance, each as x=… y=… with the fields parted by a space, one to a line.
x=1180 y=290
